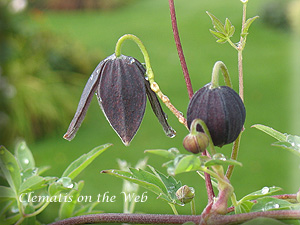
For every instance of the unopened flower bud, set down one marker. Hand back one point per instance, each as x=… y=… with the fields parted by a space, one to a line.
x=185 y=194
x=196 y=143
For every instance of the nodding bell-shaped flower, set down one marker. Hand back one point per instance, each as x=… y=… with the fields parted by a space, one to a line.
x=121 y=88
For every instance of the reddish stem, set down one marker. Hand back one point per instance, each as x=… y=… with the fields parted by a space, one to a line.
x=129 y=218
x=209 y=187
x=179 y=50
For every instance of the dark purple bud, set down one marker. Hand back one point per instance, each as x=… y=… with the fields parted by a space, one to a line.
x=221 y=109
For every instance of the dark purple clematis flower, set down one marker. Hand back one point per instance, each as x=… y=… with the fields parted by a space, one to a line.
x=121 y=88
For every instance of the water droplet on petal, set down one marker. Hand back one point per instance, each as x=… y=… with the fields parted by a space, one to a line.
x=26 y=161
x=265 y=190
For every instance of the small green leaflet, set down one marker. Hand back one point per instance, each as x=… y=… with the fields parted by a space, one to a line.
x=24 y=156
x=223 y=32
x=10 y=169
x=261 y=193
x=270 y=131
x=245 y=205
x=83 y=161
x=163 y=186
x=285 y=141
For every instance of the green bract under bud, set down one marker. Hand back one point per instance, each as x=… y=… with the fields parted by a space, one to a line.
x=196 y=143
x=185 y=194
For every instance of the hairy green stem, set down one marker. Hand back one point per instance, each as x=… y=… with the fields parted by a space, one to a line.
x=193 y=207
x=234 y=155
x=173 y=208
x=241 y=46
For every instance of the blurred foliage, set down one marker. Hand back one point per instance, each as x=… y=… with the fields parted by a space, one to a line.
x=294 y=15
x=38 y=74
x=77 y=4
x=274 y=13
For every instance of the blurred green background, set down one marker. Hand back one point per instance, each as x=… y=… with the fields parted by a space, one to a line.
x=79 y=39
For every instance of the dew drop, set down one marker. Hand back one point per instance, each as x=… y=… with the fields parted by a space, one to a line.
x=26 y=161
x=70 y=186
x=293 y=144
x=132 y=61
x=14 y=209
x=265 y=190
x=276 y=206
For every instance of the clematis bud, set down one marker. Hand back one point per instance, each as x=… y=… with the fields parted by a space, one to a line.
x=221 y=109
x=185 y=194
x=196 y=143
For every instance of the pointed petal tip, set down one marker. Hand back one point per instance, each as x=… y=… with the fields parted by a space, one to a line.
x=126 y=143
x=68 y=137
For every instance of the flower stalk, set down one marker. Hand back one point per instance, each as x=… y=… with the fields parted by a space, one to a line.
x=150 y=75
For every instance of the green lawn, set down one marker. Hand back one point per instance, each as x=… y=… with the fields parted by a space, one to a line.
x=267 y=80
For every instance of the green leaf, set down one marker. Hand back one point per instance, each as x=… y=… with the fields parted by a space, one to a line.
x=146 y=176
x=10 y=169
x=220 y=159
x=222 y=41
x=24 y=156
x=169 y=154
x=170 y=183
x=152 y=182
x=62 y=184
x=218 y=25
x=286 y=141
x=29 y=220
x=67 y=207
x=32 y=183
x=187 y=164
x=10 y=220
x=261 y=193
x=225 y=162
x=82 y=162
x=218 y=35
x=248 y=24
x=270 y=131
x=243 y=207
x=269 y=204
x=87 y=209
x=231 y=31
x=213 y=180
x=263 y=221
x=292 y=144
x=229 y=28
x=6 y=192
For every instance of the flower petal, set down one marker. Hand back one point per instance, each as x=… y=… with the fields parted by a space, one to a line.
x=85 y=100
x=122 y=96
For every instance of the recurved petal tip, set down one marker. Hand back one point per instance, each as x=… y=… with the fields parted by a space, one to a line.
x=68 y=137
